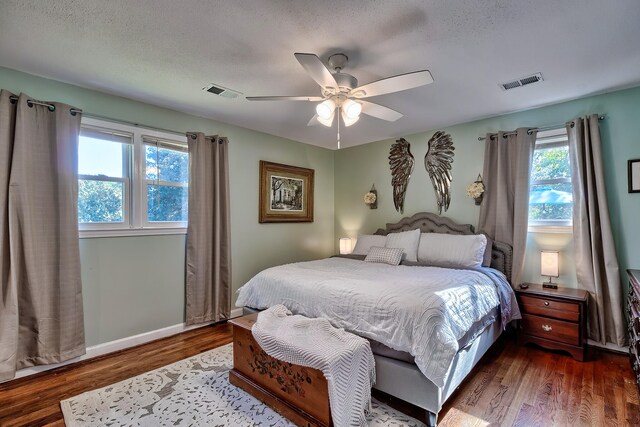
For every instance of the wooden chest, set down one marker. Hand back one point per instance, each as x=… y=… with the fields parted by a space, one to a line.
x=633 y=310
x=554 y=318
x=299 y=393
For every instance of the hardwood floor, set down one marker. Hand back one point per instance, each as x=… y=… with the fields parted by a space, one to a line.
x=35 y=401
x=512 y=385
x=527 y=386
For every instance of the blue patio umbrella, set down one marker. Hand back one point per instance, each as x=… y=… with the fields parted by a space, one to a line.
x=550 y=197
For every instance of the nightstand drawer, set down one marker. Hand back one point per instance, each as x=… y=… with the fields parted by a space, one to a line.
x=546 y=307
x=551 y=329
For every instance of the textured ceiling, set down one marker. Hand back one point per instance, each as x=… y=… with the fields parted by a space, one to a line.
x=165 y=52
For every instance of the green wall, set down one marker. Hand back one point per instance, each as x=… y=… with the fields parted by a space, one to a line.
x=357 y=168
x=133 y=285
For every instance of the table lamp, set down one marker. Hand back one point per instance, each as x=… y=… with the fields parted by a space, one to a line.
x=549 y=267
x=345 y=245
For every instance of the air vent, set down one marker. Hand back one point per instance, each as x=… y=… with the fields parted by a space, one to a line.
x=524 y=81
x=222 y=91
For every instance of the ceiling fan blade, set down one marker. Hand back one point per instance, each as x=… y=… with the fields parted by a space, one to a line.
x=380 y=112
x=393 y=84
x=316 y=69
x=284 y=98
x=314 y=121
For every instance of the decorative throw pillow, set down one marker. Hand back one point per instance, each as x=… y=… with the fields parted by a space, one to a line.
x=452 y=250
x=407 y=240
x=391 y=256
x=366 y=241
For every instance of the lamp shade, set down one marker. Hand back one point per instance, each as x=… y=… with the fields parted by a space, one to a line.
x=348 y=121
x=327 y=122
x=352 y=109
x=549 y=263
x=345 y=245
x=325 y=109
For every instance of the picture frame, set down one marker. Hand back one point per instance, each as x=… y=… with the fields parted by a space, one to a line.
x=634 y=175
x=286 y=193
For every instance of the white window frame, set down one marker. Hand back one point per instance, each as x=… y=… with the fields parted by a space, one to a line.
x=551 y=139
x=159 y=143
x=135 y=203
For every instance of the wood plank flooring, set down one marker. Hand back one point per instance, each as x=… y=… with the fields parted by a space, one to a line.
x=35 y=401
x=512 y=385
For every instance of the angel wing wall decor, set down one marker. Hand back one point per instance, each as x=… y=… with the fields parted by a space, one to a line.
x=438 y=162
x=401 y=163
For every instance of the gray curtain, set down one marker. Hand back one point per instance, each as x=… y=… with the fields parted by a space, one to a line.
x=208 y=235
x=41 y=318
x=595 y=253
x=504 y=212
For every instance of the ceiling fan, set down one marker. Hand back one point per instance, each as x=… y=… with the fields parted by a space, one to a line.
x=340 y=91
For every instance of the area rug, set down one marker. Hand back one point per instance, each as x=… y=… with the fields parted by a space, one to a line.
x=191 y=392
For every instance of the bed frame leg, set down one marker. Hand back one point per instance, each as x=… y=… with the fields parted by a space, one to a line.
x=432 y=419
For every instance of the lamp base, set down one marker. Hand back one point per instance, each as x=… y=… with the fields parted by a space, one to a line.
x=549 y=285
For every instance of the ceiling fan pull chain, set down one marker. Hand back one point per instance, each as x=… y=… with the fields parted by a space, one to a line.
x=338 y=128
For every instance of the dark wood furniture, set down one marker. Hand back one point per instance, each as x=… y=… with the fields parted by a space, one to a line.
x=634 y=322
x=554 y=318
x=296 y=392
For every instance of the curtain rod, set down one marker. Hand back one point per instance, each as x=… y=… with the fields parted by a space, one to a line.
x=74 y=111
x=15 y=98
x=193 y=135
x=530 y=130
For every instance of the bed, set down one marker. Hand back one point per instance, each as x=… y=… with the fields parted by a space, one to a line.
x=423 y=351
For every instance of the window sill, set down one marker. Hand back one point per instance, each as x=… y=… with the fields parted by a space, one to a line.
x=131 y=232
x=552 y=229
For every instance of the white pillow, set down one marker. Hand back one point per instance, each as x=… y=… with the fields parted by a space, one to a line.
x=366 y=241
x=407 y=240
x=452 y=250
x=391 y=256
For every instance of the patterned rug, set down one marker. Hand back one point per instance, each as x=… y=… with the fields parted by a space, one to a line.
x=192 y=392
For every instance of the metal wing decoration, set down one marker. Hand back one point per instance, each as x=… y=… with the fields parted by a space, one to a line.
x=401 y=162
x=438 y=162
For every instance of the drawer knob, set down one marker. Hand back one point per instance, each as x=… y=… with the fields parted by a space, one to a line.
x=546 y=328
x=546 y=303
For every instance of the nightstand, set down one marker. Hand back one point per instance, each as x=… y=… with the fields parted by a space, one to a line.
x=554 y=318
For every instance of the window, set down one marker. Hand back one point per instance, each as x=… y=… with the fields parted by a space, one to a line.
x=166 y=181
x=131 y=180
x=103 y=177
x=551 y=196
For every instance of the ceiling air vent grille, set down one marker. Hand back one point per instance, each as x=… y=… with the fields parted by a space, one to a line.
x=524 y=81
x=222 y=91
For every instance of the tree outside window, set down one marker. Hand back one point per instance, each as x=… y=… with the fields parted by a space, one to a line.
x=551 y=195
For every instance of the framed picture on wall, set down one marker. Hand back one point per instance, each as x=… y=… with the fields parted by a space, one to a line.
x=286 y=193
x=634 y=176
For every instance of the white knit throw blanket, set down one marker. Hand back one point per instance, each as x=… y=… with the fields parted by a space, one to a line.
x=345 y=359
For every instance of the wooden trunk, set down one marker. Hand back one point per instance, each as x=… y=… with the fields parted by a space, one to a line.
x=299 y=393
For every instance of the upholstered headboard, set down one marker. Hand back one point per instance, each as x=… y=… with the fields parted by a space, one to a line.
x=427 y=222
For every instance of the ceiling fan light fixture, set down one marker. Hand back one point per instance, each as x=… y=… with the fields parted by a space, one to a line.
x=327 y=122
x=325 y=110
x=351 y=109
x=348 y=121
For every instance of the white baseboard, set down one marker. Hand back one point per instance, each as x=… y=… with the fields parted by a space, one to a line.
x=121 y=344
